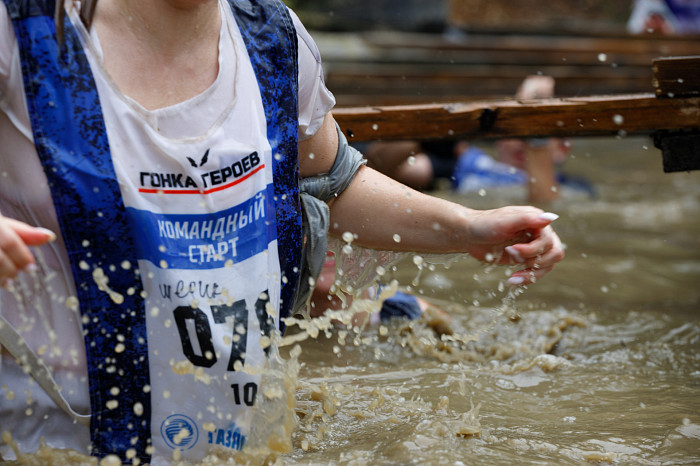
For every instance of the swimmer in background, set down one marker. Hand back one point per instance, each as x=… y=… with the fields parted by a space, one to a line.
x=531 y=162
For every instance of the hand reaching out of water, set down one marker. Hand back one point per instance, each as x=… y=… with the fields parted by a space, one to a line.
x=521 y=235
x=15 y=239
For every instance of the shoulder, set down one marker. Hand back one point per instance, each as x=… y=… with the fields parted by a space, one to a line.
x=306 y=42
x=315 y=100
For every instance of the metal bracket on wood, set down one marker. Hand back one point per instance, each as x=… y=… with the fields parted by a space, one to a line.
x=680 y=150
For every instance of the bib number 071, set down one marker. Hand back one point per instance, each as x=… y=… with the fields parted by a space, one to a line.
x=205 y=354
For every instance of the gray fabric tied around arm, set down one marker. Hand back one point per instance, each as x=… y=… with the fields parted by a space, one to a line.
x=315 y=192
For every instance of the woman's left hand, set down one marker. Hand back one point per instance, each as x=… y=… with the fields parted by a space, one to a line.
x=516 y=235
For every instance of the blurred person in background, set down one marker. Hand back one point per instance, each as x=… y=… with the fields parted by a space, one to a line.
x=518 y=162
x=671 y=17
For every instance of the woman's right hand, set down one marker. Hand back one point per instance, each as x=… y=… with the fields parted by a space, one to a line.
x=15 y=239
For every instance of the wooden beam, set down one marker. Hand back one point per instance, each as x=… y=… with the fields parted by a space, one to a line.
x=613 y=47
x=379 y=82
x=569 y=117
x=677 y=76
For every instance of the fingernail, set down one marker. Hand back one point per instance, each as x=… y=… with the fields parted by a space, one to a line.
x=48 y=232
x=549 y=216
x=515 y=254
x=515 y=280
x=31 y=268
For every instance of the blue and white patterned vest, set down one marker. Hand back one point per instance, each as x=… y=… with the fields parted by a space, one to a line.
x=71 y=141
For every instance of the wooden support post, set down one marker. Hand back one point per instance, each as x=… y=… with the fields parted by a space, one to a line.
x=676 y=77
x=680 y=150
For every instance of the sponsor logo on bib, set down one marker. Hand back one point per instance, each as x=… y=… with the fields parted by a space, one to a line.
x=179 y=432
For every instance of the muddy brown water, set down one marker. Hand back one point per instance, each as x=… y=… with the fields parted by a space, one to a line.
x=599 y=362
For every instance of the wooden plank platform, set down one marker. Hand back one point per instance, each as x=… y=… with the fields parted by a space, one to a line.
x=565 y=117
x=386 y=68
x=545 y=46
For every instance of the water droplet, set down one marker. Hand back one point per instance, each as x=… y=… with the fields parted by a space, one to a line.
x=72 y=303
x=375 y=127
x=602 y=57
x=111 y=460
x=348 y=237
x=618 y=119
x=397 y=238
x=138 y=408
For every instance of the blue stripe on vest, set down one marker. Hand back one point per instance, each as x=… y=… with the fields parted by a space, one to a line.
x=271 y=40
x=205 y=241
x=71 y=141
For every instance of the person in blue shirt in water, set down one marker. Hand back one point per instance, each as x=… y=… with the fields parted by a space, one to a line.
x=519 y=162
